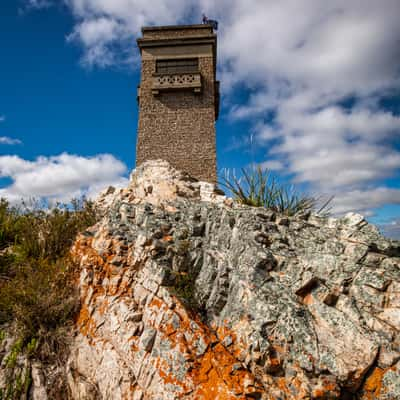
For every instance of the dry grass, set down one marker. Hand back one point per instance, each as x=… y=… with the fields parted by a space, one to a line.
x=37 y=294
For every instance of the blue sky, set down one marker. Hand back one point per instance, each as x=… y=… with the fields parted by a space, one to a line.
x=314 y=85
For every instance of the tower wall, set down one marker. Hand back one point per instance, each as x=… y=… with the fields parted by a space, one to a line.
x=177 y=111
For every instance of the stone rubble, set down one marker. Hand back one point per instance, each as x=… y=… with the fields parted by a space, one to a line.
x=186 y=295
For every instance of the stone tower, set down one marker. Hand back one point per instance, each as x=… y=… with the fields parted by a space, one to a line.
x=179 y=98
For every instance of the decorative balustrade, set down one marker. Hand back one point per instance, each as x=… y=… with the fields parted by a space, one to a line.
x=176 y=81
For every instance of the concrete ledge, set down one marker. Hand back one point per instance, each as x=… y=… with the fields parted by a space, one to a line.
x=180 y=81
x=176 y=27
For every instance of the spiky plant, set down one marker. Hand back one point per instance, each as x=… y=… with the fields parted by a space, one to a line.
x=258 y=187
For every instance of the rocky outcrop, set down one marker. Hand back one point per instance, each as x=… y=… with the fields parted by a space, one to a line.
x=186 y=295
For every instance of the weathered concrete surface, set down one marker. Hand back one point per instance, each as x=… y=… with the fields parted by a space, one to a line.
x=188 y=298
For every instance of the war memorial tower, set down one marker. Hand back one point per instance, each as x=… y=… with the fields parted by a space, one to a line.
x=178 y=98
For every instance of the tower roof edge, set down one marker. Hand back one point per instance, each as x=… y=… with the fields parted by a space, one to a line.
x=176 y=27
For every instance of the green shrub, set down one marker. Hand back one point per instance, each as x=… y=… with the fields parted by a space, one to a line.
x=39 y=298
x=16 y=350
x=7 y=224
x=50 y=233
x=37 y=293
x=257 y=187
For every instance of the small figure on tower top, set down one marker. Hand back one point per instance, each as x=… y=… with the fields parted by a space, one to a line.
x=211 y=22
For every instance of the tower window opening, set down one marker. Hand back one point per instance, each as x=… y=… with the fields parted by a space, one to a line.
x=177 y=66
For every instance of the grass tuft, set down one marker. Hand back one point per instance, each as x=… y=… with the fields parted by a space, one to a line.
x=257 y=187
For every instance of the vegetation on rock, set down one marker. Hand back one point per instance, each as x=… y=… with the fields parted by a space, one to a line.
x=257 y=187
x=37 y=295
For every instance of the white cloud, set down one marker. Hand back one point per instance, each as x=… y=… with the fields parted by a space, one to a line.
x=106 y=29
x=274 y=165
x=2 y=118
x=391 y=229
x=333 y=148
x=8 y=140
x=97 y=31
x=320 y=68
x=99 y=37
x=60 y=177
x=12 y=166
x=364 y=200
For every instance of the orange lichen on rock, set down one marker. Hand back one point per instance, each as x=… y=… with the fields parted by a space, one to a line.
x=215 y=378
x=282 y=384
x=214 y=375
x=308 y=299
x=373 y=384
x=218 y=375
x=103 y=306
x=326 y=389
x=223 y=333
x=169 y=379
x=85 y=323
x=168 y=238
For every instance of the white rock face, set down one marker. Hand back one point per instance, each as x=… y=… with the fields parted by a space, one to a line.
x=156 y=182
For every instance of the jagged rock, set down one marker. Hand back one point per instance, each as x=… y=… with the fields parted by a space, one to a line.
x=39 y=391
x=186 y=295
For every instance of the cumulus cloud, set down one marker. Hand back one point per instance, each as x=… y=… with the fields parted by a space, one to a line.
x=321 y=69
x=61 y=177
x=391 y=229
x=101 y=37
x=8 y=140
x=364 y=201
x=106 y=29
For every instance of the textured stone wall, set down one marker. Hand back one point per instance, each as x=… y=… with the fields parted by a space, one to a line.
x=179 y=126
